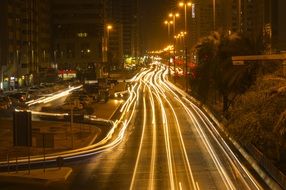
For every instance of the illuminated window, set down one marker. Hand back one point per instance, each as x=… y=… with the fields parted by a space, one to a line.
x=82 y=34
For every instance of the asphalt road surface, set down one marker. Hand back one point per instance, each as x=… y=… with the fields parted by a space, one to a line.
x=168 y=143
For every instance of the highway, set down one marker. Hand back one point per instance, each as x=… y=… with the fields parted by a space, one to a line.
x=166 y=142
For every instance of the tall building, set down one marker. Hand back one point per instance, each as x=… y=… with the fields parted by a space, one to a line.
x=45 y=49
x=21 y=40
x=257 y=19
x=126 y=17
x=202 y=20
x=261 y=19
x=130 y=22
x=114 y=17
x=78 y=29
x=248 y=17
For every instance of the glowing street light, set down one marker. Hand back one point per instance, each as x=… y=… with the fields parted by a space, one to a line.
x=109 y=27
x=168 y=23
x=186 y=4
x=174 y=16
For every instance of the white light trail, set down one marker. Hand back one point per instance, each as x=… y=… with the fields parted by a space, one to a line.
x=52 y=97
x=140 y=146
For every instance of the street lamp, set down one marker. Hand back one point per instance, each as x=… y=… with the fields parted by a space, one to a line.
x=185 y=5
x=174 y=16
x=214 y=14
x=109 y=27
x=168 y=23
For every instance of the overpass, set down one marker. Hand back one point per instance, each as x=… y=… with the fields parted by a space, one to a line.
x=239 y=60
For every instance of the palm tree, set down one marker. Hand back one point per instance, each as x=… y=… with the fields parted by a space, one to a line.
x=216 y=71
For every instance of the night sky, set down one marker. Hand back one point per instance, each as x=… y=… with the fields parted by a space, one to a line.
x=154 y=32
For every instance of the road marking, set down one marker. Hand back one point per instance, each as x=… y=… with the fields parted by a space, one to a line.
x=140 y=146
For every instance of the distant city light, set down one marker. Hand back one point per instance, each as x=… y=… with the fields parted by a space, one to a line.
x=193 y=11
x=82 y=34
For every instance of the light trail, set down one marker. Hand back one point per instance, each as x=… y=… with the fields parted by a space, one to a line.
x=104 y=145
x=166 y=137
x=141 y=144
x=52 y=97
x=49 y=114
x=207 y=122
x=182 y=144
x=158 y=89
x=221 y=170
x=154 y=143
x=210 y=149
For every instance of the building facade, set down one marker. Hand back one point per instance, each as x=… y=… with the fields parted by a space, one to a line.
x=256 y=19
x=261 y=20
x=125 y=39
x=130 y=22
x=78 y=33
x=23 y=35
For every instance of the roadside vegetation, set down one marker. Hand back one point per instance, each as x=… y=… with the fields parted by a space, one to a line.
x=251 y=97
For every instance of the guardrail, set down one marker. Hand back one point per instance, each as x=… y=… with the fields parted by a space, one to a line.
x=267 y=164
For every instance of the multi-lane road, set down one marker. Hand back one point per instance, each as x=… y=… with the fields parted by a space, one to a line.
x=163 y=141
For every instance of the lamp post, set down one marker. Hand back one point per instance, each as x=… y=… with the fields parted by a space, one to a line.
x=109 y=27
x=185 y=5
x=168 y=23
x=174 y=16
x=214 y=14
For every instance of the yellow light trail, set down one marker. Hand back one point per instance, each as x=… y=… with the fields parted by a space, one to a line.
x=154 y=143
x=182 y=144
x=140 y=146
x=166 y=137
x=206 y=141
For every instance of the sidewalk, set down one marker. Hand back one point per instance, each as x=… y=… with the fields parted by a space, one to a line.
x=37 y=176
x=63 y=138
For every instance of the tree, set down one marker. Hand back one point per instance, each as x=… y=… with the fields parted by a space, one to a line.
x=216 y=71
x=206 y=51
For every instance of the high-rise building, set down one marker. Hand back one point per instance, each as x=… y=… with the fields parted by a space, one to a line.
x=130 y=22
x=248 y=17
x=115 y=45
x=78 y=29
x=257 y=19
x=201 y=20
x=126 y=17
x=23 y=35
x=260 y=19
